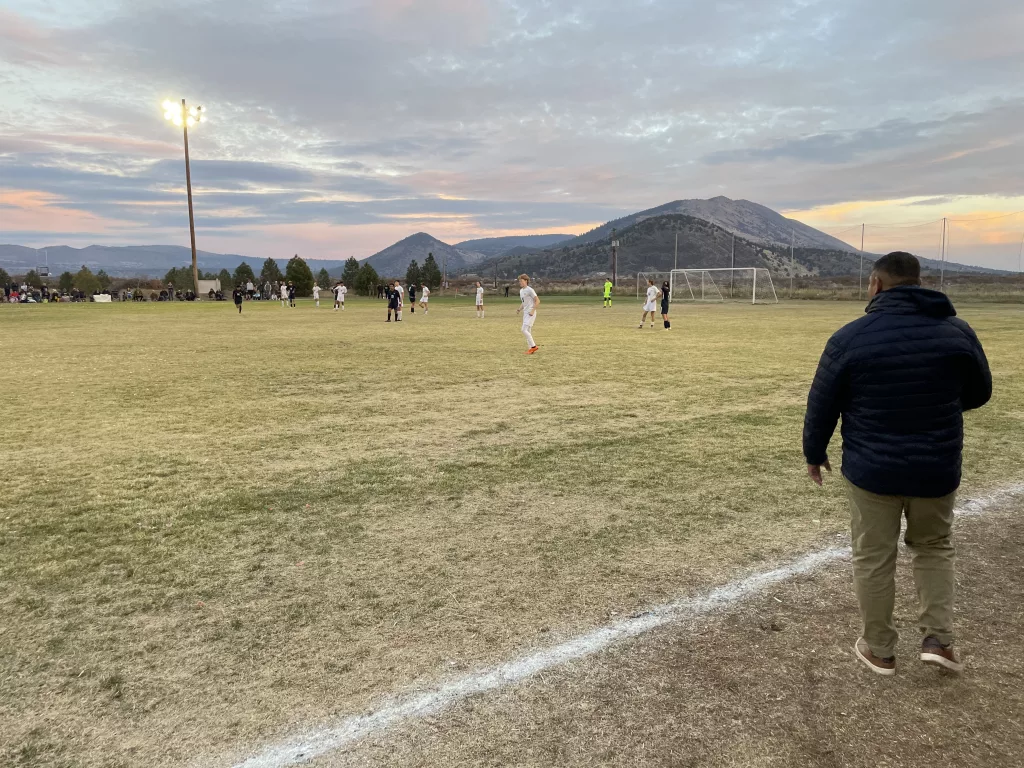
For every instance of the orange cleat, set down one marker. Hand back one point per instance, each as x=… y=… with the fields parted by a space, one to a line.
x=532 y=350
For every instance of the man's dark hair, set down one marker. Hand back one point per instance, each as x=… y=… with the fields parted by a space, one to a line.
x=900 y=267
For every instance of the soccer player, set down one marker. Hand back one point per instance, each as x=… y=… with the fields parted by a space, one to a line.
x=237 y=295
x=666 y=290
x=291 y=294
x=479 y=299
x=425 y=299
x=339 y=296
x=608 y=293
x=401 y=299
x=651 y=306
x=412 y=298
x=530 y=302
x=316 y=294
x=392 y=302
x=284 y=294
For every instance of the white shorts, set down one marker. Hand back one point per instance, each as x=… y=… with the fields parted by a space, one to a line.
x=479 y=303
x=528 y=321
x=424 y=300
x=650 y=306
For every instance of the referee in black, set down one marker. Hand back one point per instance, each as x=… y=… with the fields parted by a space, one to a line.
x=666 y=289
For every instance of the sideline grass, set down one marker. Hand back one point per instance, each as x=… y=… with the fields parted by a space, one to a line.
x=215 y=527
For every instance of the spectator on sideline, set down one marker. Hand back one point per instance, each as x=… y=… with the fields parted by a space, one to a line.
x=901 y=378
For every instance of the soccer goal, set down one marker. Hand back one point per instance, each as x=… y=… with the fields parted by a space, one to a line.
x=748 y=284
x=657 y=277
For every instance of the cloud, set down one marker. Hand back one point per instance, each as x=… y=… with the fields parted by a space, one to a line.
x=487 y=115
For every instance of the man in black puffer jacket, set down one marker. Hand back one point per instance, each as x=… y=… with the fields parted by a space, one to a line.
x=901 y=377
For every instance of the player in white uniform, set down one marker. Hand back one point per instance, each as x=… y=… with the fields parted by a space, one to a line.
x=401 y=300
x=528 y=309
x=479 y=299
x=339 y=296
x=284 y=294
x=425 y=298
x=316 y=294
x=651 y=305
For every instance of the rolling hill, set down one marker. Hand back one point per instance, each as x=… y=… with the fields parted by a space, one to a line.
x=394 y=260
x=496 y=246
x=132 y=261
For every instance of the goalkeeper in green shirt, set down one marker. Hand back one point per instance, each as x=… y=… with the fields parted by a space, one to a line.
x=608 y=293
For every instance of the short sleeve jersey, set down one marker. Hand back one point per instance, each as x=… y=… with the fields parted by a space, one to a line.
x=529 y=299
x=480 y=295
x=652 y=293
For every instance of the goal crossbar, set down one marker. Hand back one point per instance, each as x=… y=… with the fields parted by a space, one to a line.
x=720 y=284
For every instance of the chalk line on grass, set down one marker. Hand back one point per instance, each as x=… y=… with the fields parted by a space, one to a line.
x=315 y=742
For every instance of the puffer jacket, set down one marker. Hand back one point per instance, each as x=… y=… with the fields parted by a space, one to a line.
x=901 y=377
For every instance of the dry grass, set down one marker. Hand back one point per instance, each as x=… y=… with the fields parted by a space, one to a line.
x=771 y=684
x=216 y=527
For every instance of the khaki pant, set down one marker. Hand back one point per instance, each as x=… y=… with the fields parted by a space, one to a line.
x=876 y=531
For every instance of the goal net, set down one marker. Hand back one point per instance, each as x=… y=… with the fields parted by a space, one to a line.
x=752 y=285
x=657 y=277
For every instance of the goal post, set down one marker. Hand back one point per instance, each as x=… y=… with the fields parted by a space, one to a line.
x=752 y=285
x=657 y=277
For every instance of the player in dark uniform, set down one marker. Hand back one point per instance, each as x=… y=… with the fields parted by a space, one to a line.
x=666 y=289
x=392 y=302
x=291 y=294
x=237 y=295
x=412 y=297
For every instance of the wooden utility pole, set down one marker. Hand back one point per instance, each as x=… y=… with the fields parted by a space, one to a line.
x=942 y=269
x=732 y=266
x=677 y=252
x=191 y=215
x=861 y=289
x=792 y=261
x=615 y=258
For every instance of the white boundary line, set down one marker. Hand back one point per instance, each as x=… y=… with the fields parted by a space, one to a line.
x=319 y=741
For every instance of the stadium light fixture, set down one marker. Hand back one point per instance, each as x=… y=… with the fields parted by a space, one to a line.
x=186 y=117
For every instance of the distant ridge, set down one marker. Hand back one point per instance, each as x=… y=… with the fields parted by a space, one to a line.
x=495 y=246
x=394 y=260
x=134 y=260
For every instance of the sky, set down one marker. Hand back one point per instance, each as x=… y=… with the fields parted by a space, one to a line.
x=337 y=127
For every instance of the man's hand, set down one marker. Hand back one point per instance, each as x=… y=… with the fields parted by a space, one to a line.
x=533 y=312
x=814 y=470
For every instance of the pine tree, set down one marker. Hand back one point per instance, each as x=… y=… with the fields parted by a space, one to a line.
x=225 y=281
x=430 y=273
x=270 y=272
x=323 y=278
x=104 y=280
x=86 y=281
x=32 y=279
x=366 y=281
x=5 y=278
x=66 y=282
x=244 y=274
x=300 y=275
x=351 y=273
x=413 y=275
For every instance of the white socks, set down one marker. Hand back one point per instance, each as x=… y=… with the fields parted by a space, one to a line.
x=529 y=338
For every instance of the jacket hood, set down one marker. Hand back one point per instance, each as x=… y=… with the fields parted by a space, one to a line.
x=912 y=300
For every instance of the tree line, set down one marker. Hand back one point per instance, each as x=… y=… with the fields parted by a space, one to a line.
x=363 y=279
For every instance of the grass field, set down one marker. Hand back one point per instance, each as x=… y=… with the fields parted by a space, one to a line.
x=217 y=528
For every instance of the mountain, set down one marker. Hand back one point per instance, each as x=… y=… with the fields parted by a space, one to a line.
x=648 y=245
x=496 y=246
x=132 y=261
x=394 y=260
x=751 y=221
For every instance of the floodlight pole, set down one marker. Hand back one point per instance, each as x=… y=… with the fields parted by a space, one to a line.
x=677 y=252
x=191 y=214
x=860 y=290
x=732 y=266
x=615 y=258
x=942 y=270
x=792 y=261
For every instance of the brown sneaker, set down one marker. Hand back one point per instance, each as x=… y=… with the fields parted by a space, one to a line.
x=879 y=666
x=938 y=655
